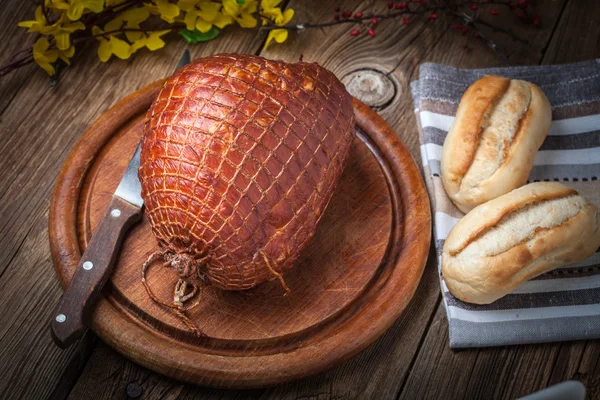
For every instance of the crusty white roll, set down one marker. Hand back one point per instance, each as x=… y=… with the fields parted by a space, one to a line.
x=515 y=237
x=489 y=151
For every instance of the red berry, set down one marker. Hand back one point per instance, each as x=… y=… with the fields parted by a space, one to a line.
x=405 y=20
x=433 y=16
x=371 y=32
x=536 y=20
x=374 y=20
x=354 y=32
x=401 y=6
x=358 y=15
x=458 y=27
x=465 y=30
x=477 y=35
x=336 y=17
x=493 y=11
x=337 y=9
x=474 y=7
x=390 y=4
x=522 y=2
x=520 y=15
x=346 y=14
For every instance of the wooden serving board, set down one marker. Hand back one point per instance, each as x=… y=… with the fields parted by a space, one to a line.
x=352 y=282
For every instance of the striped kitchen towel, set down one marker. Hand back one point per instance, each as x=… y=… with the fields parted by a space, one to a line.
x=563 y=304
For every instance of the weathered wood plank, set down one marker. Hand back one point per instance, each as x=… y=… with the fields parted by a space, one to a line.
x=589 y=369
x=74 y=367
x=108 y=375
x=576 y=35
x=39 y=127
x=30 y=365
x=11 y=15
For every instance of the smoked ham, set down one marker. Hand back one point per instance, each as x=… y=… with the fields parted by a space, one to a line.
x=240 y=157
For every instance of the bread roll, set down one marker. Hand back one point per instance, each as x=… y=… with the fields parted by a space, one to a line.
x=515 y=237
x=489 y=151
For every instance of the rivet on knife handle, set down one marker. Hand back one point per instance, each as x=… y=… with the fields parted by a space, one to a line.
x=93 y=271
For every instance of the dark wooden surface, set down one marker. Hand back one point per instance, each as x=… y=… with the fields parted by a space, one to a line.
x=412 y=360
x=351 y=283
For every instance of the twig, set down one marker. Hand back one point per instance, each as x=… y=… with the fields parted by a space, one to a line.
x=470 y=21
x=125 y=4
x=498 y=29
x=12 y=58
x=257 y=13
x=45 y=12
x=5 y=69
x=394 y=14
x=107 y=14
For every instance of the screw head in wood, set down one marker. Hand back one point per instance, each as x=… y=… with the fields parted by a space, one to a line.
x=88 y=265
x=134 y=390
x=116 y=213
x=61 y=318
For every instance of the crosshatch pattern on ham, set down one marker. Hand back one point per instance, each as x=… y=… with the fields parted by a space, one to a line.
x=240 y=157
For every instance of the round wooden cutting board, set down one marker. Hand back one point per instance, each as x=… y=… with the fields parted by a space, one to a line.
x=352 y=282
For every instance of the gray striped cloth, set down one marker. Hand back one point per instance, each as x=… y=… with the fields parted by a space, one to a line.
x=563 y=304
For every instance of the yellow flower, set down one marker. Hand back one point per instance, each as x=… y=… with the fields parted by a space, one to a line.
x=280 y=35
x=63 y=36
x=203 y=15
x=67 y=55
x=167 y=11
x=152 y=41
x=40 y=24
x=43 y=56
x=133 y=18
x=76 y=8
x=110 y=46
x=61 y=29
x=242 y=13
x=269 y=9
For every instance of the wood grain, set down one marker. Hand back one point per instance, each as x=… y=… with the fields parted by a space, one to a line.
x=35 y=145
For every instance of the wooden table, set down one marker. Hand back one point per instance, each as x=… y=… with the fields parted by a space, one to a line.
x=412 y=360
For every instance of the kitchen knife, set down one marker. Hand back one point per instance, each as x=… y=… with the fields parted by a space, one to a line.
x=96 y=264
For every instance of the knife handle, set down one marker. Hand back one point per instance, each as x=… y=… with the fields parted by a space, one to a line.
x=93 y=271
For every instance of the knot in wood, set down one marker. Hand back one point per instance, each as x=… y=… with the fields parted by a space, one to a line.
x=372 y=87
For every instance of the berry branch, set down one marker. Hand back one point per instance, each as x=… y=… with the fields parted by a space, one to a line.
x=466 y=11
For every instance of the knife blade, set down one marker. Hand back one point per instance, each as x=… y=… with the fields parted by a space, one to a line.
x=95 y=267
